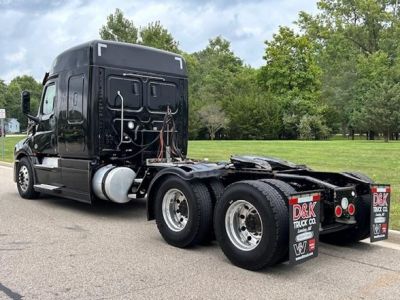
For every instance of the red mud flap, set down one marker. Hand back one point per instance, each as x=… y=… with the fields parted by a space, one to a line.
x=304 y=218
x=380 y=205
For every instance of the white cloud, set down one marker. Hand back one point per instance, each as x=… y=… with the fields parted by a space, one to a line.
x=12 y=73
x=39 y=32
x=16 y=57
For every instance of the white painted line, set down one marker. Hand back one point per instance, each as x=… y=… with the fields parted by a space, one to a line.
x=6 y=166
x=384 y=244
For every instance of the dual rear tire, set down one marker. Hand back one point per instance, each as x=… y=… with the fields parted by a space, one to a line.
x=251 y=225
x=250 y=218
x=183 y=212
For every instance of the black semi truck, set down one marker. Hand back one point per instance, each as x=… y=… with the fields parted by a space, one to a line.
x=113 y=126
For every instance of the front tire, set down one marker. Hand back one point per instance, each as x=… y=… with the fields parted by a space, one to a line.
x=25 y=179
x=251 y=224
x=183 y=212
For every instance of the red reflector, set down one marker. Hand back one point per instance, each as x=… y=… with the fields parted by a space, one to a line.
x=388 y=190
x=338 y=211
x=374 y=190
x=293 y=200
x=351 y=209
x=316 y=197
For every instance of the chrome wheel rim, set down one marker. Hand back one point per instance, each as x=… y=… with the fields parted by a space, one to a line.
x=23 y=178
x=175 y=210
x=243 y=225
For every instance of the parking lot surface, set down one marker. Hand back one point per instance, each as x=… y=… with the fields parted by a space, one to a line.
x=54 y=248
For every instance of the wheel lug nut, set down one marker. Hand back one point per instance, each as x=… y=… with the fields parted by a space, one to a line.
x=181 y=219
x=249 y=238
x=178 y=211
x=243 y=228
x=242 y=216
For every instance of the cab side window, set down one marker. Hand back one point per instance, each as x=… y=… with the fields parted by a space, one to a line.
x=48 y=99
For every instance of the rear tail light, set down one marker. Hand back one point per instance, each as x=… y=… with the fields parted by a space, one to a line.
x=338 y=211
x=351 y=209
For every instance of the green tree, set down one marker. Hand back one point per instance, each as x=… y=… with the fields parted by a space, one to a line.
x=378 y=94
x=3 y=91
x=13 y=97
x=119 y=28
x=350 y=34
x=211 y=79
x=313 y=127
x=216 y=66
x=213 y=117
x=155 y=35
x=253 y=113
x=290 y=64
x=292 y=75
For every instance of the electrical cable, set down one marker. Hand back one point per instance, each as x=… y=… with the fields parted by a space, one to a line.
x=137 y=153
x=168 y=120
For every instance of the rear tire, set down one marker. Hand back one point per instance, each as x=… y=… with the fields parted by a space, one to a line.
x=258 y=239
x=285 y=190
x=362 y=229
x=183 y=212
x=25 y=178
x=216 y=189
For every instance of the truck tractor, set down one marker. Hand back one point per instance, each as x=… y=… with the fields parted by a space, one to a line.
x=112 y=125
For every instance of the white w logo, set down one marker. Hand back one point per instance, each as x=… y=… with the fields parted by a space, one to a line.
x=300 y=248
x=377 y=228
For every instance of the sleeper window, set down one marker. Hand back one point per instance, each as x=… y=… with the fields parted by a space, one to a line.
x=75 y=99
x=162 y=95
x=48 y=100
x=130 y=89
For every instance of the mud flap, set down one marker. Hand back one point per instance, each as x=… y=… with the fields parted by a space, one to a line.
x=304 y=218
x=380 y=208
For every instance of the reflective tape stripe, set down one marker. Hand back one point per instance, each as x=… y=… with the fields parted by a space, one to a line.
x=381 y=189
x=303 y=199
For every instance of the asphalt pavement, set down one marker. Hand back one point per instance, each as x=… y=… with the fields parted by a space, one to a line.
x=54 y=248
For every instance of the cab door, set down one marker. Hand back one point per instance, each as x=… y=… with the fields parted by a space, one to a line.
x=45 y=141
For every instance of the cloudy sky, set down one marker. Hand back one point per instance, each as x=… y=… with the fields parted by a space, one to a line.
x=33 y=32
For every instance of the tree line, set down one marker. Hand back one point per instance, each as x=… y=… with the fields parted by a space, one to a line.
x=337 y=71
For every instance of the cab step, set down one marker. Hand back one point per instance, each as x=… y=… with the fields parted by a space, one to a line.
x=46 y=187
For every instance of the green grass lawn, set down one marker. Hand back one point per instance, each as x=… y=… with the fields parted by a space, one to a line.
x=9 y=143
x=377 y=159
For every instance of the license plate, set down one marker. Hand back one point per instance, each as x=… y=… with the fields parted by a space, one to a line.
x=304 y=218
x=380 y=208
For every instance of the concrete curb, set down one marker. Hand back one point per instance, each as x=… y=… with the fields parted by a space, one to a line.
x=6 y=164
x=394 y=236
